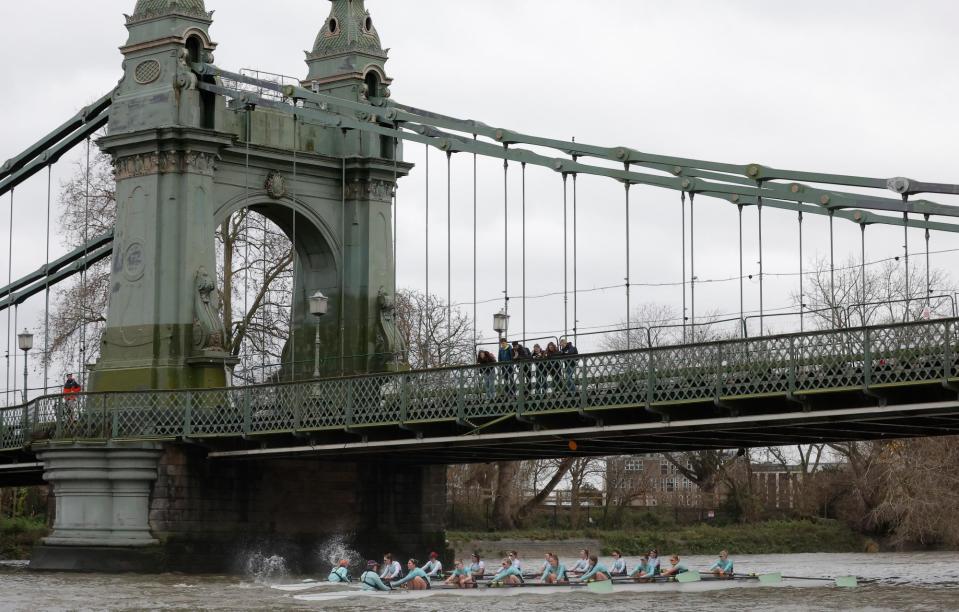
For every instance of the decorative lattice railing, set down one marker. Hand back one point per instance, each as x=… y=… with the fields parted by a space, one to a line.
x=793 y=366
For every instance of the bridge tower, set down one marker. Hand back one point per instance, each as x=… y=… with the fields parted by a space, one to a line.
x=186 y=159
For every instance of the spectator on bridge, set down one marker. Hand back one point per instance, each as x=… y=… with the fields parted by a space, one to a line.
x=71 y=387
x=539 y=372
x=567 y=348
x=506 y=371
x=551 y=369
x=522 y=354
x=488 y=373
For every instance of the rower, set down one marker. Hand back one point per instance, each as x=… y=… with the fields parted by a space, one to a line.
x=619 y=564
x=597 y=572
x=415 y=579
x=555 y=571
x=433 y=567
x=391 y=568
x=477 y=568
x=724 y=566
x=509 y=574
x=371 y=580
x=514 y=560
x=675 y=567
x=581 y=566
x=460 y=576
x=545 y=563
x=652 y=566
x=641 y=572
x=341 y=573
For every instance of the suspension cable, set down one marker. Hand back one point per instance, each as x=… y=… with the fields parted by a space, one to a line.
x=506 y=233
x=742 y=304
x=16 y=324
x=396 y=228
x=628 y=305
x=762 y=293
x=449 y=247
x=294 y=297
x=575 y=259
x=342 y=312
x=692 y=265
x=246 y=236
x=565 y=274
x=83 y=277
x=46 y=293
x=862 y=270
x=682 y=202
x=474 y=246
x=928 y=274
x=905 y=232
x=802 y=299
x=523 y=167
x=427 y=229
x=832 y=270
x=9 y=293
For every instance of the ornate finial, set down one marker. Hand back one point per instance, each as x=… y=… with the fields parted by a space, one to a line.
x=146 y=9
x=348 y=28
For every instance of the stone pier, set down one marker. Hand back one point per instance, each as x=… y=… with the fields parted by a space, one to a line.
x=143 y=508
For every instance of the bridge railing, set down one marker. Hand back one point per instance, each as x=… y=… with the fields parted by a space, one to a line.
x=790 y=365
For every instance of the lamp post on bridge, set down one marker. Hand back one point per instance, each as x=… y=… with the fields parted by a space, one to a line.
x=501 y=323
x=319 y=304
x=25 y=341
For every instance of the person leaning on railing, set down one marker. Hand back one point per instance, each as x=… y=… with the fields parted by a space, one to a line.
x=567 y=348
x=71 y=389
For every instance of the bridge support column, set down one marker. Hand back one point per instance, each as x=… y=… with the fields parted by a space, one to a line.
x=102 y=495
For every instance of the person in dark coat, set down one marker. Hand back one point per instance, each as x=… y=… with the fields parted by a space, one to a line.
x=485 y=358
x=506 y=367
x=522 y=354
x=566 y=348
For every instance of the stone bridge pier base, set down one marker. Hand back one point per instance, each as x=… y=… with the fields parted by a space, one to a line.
x=102 y=496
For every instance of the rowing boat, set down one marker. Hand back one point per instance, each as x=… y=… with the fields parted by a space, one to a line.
x=687 y=582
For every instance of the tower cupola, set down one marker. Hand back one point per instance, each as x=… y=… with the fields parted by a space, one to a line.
x=347 y=55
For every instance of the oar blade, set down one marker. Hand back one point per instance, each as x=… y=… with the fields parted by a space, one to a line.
x=690 y=576
x=602 y=586
x=773 y=578
x=847 y=581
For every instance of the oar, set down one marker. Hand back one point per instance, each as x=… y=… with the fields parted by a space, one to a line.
x=840 y=581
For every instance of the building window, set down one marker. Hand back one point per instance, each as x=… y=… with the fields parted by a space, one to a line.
x=670 y=485
x=634 y=464
x=664 y=468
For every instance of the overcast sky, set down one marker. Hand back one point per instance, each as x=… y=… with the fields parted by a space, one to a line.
x=854 y=87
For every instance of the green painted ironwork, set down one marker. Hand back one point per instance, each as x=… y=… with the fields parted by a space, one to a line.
x=787 y=366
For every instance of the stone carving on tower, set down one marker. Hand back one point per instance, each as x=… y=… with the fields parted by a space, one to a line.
x=207 y=327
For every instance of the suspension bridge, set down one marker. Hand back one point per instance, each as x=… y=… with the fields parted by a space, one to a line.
x=193 y=143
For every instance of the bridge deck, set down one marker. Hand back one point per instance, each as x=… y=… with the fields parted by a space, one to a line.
x=885 y=381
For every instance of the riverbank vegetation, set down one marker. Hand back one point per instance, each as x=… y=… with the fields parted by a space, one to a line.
x=768 y=537
x=18 y=535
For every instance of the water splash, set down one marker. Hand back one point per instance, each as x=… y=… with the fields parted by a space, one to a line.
x=336 y=547
x=264 y=568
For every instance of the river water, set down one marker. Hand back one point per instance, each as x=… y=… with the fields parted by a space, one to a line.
x=914 y=581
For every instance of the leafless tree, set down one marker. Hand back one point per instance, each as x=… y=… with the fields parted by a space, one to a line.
x=842 y=297
x=435 y=335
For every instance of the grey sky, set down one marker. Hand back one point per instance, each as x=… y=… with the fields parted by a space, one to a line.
x=854 y=87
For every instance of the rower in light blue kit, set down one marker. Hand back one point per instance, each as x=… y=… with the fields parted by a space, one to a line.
x=341 y=573
x=641 y=572
x=582 y=564
x=675 y=567
x=433 y=567
x=724 y=566
x=391 y=569
x=370 y=579
x=596 y=572
x=555 y=571
x=460 y=576
x=508 y=574
x=415 y=579
x=619 y=564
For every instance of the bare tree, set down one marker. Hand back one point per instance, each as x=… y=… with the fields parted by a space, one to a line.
x=653 y=324
x=844 y=297
x=435 y=335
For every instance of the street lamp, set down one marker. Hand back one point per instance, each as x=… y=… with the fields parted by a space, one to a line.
x=501 y=323
x=25 y=340
x=319 y=305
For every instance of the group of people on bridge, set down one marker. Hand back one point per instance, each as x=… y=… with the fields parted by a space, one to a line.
x=389 y=574
x=540 y=370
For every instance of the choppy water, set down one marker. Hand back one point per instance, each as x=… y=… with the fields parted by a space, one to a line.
x=920 y=581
